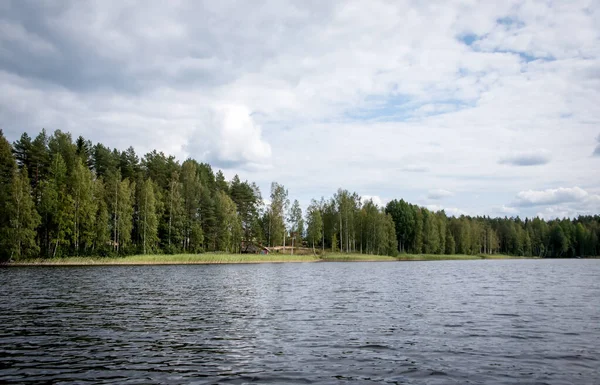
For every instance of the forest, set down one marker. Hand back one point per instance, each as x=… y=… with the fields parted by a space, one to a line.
x=63 y=197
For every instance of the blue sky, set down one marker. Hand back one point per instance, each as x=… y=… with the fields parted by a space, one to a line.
x=482 y=107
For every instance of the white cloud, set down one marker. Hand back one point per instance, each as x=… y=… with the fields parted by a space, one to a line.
x=560 y=203
x=452 y=211
x=509 y=210
x=375 y=199
x=550 y=196
x=381 y=96
x=414 y=168
x=504 y=211
x=439 y=194
x=231 y=138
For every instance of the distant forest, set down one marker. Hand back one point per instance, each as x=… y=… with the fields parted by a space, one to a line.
x=60 y=197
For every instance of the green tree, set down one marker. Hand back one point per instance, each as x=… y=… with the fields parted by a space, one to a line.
x=23 y=219
x=100 y=231
x=119 y=200
x=229 y=227
x=103 y=160
x=22 y=149
x=276 y=214
x=56 y=207
x=62 y=143
x=221 y=183
x=450 y=244
x=431 y=236
x=296 y=223
x=559 y=243
x=175 y=216
x=40 y=164
x=404 y=222
x=247 y=199
x=7 y=172
x=314 y=223
x=192 y=229
x=148 y=218
x=84 y=151
x=84 y=206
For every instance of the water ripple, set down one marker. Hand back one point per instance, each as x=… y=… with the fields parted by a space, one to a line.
x=453 y=322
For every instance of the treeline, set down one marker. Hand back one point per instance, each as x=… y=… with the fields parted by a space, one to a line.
x=419 y=230
x=60 y=197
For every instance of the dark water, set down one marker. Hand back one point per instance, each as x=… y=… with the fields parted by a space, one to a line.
x=454 y=322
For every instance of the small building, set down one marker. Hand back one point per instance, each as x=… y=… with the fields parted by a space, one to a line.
x=251 y=247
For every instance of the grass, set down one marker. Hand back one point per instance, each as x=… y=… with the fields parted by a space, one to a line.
x=176 y=259
x=221 y=258
x=435 y=257
x=340 y=257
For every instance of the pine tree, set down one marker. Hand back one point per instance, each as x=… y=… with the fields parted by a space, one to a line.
x=221 y=183
x=8 y=167
x=22 y=149
x=40 y=164
x=228 y=223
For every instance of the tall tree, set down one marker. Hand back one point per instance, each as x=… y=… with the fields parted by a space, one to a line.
x=247 y=199
x=103 y=160
x=7 y=170
x=229 y=227
x=22 y=149
x=193 y=237
x=276 y=214
x=296 y=223
x=314 y=223
x=148 y=219
x=100 y=231
x=23 y=219
x=174 y=210
x=56 y=208
x=84 y=151
x=84 y=206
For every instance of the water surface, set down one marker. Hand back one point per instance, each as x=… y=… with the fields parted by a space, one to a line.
x=449 y=322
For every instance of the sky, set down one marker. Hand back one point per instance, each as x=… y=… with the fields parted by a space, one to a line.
x=474 y=107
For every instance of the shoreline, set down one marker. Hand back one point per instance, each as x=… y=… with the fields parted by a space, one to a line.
x=222 y=259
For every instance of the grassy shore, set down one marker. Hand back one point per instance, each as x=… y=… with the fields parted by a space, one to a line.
x=436 y=257
x=165 y=259
x=219 y=258
x=340 y=257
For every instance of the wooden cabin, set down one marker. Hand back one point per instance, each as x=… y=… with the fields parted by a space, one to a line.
x=250 y=247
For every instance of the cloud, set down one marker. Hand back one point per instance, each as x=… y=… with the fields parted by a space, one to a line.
x=597 y=150
x=439 y=194
x=509 y=210
x=414 y=168
x=231 y=138
x=550 y=196
x=560 y=202
x=534 y=158
x=505 y=210
x=260 y=90
x=452 y=211
x=375 y=199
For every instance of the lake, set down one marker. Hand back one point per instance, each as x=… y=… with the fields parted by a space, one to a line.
x=448 y=322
